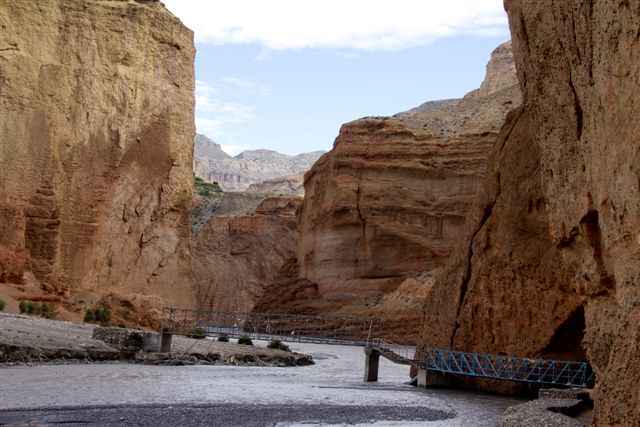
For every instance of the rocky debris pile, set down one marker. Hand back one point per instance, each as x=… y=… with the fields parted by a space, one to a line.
x=127 y=339
x=184 y=351
x=543 y=412
x=563 y=407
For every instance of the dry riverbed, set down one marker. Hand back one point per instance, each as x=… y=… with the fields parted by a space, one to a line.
x=26 y=339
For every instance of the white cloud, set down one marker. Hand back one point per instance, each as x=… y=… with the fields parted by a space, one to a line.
x=213 y=113
x=210 y=127
x=250 y=87
x=351 y=24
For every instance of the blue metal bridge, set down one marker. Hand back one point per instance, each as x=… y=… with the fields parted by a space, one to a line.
x=496 y=367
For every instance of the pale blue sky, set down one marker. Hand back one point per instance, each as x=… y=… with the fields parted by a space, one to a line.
x=266 y=82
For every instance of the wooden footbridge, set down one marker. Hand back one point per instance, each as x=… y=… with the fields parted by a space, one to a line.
x=367 y=332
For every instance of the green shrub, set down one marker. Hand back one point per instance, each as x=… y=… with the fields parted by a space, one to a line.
x=44 y=309
x=28 y=307
x=206 y=189
x=245 y=340
x=100 y=314
x=278 y=345
x=197 y=333
x=2 y=304
x=32 y=308
x=223 y=338
x=103 y=315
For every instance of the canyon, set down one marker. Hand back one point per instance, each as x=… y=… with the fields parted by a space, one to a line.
x=384 y=207
x=95 y=166
x=504 y=222
x=548 y=265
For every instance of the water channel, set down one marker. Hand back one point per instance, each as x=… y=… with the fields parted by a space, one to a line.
x=331 y=392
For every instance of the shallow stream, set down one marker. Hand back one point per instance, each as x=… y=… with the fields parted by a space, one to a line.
x=331 y=389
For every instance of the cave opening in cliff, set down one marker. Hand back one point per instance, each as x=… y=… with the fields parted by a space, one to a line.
x=566 y=343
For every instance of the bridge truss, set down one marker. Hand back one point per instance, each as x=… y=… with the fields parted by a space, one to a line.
x=349 y=330
x=541 y=371
x=497 y=367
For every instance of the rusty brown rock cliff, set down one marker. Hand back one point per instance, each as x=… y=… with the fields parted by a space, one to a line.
x=236 y=257
x=551 y=250
x=93 y=155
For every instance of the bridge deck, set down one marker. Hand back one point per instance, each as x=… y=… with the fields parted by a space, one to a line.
x=509 y=368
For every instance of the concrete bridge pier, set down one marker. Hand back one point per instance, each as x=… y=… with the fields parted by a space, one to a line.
x=371 y=363
x=165 y=341
x=430 y=379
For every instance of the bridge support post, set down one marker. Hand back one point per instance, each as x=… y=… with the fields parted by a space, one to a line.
x=431 y=379
x=371 y=363
x=165 y=341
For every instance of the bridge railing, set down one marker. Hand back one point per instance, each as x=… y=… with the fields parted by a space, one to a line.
x=498 y=367
x=282 y=326
x=553 y=372
x=405 y=353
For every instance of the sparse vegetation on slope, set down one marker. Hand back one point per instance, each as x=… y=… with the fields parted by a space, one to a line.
x=100 y=315
x=45 y=310
x=210 y=195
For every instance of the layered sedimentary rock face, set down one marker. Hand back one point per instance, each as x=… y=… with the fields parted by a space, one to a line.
x=388 y=202
x=235 y=257
x=552 y=245
x=96 y=147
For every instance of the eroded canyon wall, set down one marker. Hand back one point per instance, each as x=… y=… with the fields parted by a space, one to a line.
x=389 y=201
x=552 y=245
x=236 y=257
x=96 y=148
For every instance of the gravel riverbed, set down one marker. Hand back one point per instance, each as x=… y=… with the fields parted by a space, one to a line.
x=331 y=392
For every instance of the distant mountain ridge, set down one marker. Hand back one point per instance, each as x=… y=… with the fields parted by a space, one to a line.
x=430 y=106
x=237 y=173
x=203 y=146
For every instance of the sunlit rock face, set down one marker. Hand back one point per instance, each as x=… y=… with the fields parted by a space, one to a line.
x=96 y=149
x=552 y=244
x=236 y=257
x=388 y=202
